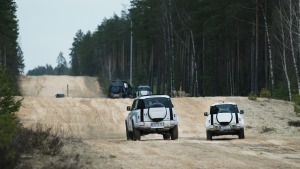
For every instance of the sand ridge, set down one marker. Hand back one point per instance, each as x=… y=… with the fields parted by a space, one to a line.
x=49 y=86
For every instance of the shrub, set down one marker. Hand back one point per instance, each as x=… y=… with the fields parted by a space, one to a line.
x=252 y=96
x=43 y=141
x=8 y=121
x=296 y=99
x=265 y=93
x=266 y=129
x=294 y=123
x=179 y=93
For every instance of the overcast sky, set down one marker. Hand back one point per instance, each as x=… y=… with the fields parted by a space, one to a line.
x=47 y=27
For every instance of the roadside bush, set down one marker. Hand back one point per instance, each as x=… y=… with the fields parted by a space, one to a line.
x=252 y=96
x=264 y=92
x=179 y=93
x=296 y=99
x=29 y=141
x=42 y=141
x=294 y=123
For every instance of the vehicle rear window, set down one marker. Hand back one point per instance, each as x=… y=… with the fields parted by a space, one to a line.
x=165 y=101
x=224 y=108
x=144 y=88
x=115 y=89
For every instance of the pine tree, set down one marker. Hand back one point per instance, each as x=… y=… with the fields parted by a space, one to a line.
x=8 y=105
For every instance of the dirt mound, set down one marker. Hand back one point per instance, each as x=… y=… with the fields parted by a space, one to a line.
x=71 y=86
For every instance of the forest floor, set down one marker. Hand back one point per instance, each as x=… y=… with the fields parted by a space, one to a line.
x=99 y=123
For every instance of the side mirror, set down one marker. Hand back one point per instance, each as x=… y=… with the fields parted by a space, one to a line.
x=205 y=114
x=128 y=108
x=241 y=111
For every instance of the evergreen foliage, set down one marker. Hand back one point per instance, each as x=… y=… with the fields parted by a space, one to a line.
x=41 y=70
x=8 y=122
x=265 y=93
x=60 y=69
x=11 y=55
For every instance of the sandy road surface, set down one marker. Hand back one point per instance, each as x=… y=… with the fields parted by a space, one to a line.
x=99 y=122
x=74 y=86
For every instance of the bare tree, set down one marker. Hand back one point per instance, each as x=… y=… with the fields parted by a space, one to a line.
x=269 y=50
x=290 y=21
x=283 y=43
x=171 y=47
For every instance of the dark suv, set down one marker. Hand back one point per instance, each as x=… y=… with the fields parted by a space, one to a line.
x=120 y=89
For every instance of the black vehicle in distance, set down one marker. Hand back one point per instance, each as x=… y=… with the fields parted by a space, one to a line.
x=120 y=89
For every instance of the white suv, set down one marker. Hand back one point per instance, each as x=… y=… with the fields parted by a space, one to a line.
x=224 y=119
x=143 y=91
x=151 y=114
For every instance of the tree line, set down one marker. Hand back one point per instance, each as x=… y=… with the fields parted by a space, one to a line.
x=61 y=68
x=203 y=48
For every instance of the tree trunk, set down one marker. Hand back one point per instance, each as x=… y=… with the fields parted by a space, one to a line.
x=270 y=51
x=150 y=80
x=195 y=88
x=238 y=56
x=298 y=20
x=171 y=49
x=284 y=61
x=257 y=47
x=284 y=44
x=290 y=24
x=203 y=64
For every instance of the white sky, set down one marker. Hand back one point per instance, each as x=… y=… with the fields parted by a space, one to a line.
x=47 y=27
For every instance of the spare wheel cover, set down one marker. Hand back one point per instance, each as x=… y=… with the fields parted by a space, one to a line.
x=224 y=118
x=157 y=113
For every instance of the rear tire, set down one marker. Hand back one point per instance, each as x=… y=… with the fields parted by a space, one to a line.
x=174 y=133
x=242 y=134
x=167 y=136
x=128 y=133
x=208 y=135
x=136 y=133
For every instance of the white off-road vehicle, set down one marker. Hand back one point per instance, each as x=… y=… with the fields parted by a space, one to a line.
x=224 y=119
x=153 y=114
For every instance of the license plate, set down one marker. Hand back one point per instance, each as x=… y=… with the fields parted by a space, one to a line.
x=225 y=128
x=157 y=125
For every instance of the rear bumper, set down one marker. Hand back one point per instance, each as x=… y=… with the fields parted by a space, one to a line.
x=225 y=130
x=163 y=125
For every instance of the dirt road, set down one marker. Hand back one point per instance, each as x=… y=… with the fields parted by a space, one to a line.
x=99 y=122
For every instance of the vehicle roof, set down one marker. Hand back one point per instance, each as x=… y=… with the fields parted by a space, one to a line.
x=117 y=82
x=144 y=86
x=152 y=96
x=147 y=88
x=222 y=103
